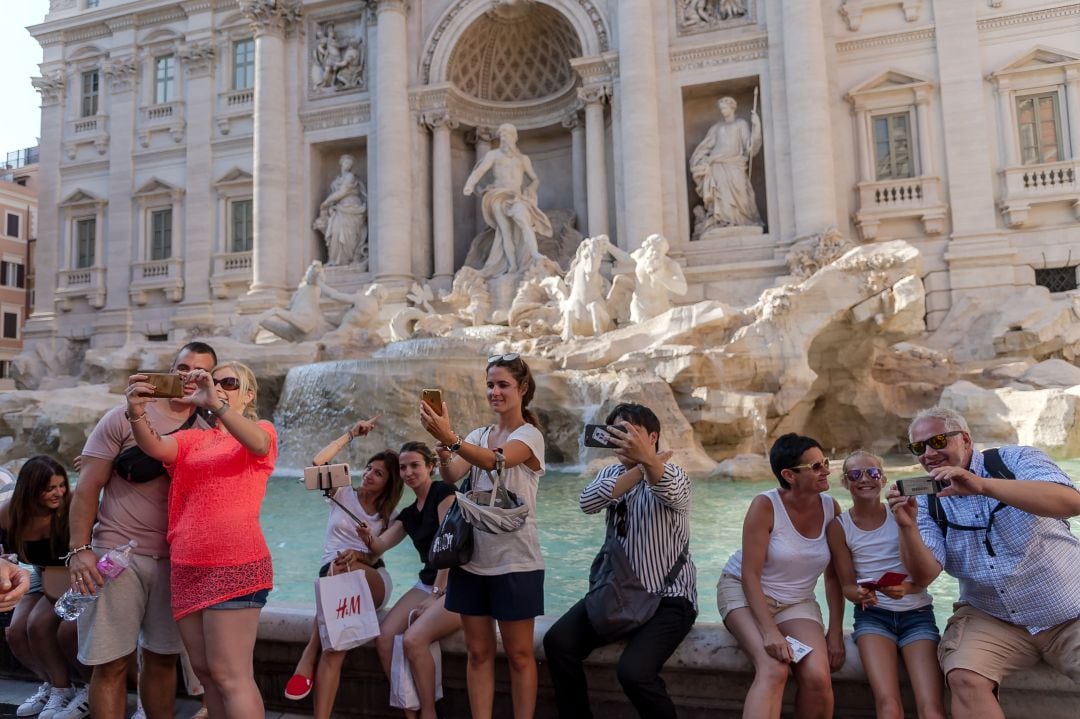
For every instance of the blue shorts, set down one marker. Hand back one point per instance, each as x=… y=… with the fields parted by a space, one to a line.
x=903 y=628
x=254 y=600
x=506 y=597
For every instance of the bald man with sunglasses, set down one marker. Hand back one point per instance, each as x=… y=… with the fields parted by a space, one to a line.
x=1008 y=542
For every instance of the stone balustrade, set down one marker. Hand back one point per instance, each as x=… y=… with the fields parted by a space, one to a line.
x=1027 y=185
x=915 y=197
x=708 y=676
x=83 y=283
x=165 y=275
x=230 y=270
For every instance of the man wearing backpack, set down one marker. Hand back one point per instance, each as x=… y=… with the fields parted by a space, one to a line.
x=1002 y=531
x=135 y=609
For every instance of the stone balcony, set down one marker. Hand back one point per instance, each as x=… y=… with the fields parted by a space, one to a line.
x=157 y=275
x=912 y=197
x=84 y=283
x=231 y=271
x=163 y=117
x=233 y=105
x=90 y=130
x=1028 y=185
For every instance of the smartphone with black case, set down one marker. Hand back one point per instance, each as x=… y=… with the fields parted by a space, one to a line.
x=597 y=435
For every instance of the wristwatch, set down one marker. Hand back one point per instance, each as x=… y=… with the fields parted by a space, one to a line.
x=456 y=446
x=218 y=411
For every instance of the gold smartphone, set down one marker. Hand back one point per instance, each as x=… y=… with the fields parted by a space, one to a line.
x=432 y=398
x=168 y=386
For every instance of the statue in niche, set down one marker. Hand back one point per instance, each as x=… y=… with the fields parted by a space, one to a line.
x=301 y=319
x=709 y=12
x=510 y=206
x=338 y=63
x=343 y=218
x=720 y=167
x=656 y=277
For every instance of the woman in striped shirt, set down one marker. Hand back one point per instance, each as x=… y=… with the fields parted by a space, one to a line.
x=650 y=498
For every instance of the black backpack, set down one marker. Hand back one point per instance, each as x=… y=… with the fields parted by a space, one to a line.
x=995 y=466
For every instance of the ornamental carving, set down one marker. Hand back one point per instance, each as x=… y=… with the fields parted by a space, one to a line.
x=198 y=58
x=121 y=73
x=594 y=93
x=338 y=57
x=704 y=15
x=271 y=15
x=50 y=86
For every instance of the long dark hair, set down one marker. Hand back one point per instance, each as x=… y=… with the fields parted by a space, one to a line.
x=391 y=492
x=33 y=479
x=519 y=370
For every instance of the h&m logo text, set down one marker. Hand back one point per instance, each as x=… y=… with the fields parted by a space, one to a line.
x=350 y=605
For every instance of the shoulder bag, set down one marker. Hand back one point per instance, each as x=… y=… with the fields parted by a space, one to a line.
x=617 y=602
x=137 y=466
x=453 y=542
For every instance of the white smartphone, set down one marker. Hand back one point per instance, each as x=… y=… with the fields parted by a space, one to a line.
x=327 y=476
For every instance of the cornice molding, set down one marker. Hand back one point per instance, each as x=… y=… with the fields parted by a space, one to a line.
x=1031 y=16
x=342 y=116
x=702 y=56
x=887 y=40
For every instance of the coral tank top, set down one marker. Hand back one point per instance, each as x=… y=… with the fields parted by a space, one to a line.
x=216 y=544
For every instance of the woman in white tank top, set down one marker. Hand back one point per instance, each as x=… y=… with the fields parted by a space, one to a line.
x=865 y=545
x=766 y=591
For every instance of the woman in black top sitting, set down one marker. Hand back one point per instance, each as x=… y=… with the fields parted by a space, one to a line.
x=420 y=613
x=34 y=523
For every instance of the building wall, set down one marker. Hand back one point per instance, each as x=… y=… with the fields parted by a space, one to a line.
x=821 y=76
x=18 y=206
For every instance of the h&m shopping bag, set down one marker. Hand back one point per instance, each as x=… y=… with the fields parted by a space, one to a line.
x=345 y=610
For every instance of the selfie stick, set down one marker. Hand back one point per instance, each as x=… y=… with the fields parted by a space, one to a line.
x=327 y=489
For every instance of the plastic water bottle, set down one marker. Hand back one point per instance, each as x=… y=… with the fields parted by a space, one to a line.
x=71 y=603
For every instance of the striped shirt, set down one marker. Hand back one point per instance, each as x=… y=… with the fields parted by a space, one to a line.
x=657 y=526
x=1034 y=581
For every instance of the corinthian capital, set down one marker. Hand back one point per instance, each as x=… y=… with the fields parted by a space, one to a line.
x=120 y=72
x=439 y=118
x=197 y=57
x=50 y=86
x=271 y=15
x=594 y=93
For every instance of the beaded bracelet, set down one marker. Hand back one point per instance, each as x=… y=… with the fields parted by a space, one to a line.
x=67 y=557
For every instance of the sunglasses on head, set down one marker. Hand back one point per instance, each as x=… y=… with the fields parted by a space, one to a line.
x=938 y=441
x=509 y=357
x=822 y=466
x=229 y=384
x=853 y=475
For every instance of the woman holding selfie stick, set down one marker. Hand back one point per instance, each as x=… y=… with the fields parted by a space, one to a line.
x=420 y=614
x=865 y=545
x=221 y=567
x=504 y=581
x=372 y=502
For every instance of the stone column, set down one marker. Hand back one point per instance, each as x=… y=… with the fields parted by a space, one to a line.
x=1006 y=115
x=865 y=148
x=594 y=98
x=640 y=123
x=572 y=122
x=484 y=137
x=442 y=199
x=810 y=128
x=47 y=251
x=924 y=126
x=392 y=250
x=1072 y=100
x=270 y=21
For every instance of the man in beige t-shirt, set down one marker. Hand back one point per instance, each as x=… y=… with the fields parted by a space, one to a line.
x=135 y=610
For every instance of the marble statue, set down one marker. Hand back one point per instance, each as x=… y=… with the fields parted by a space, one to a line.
x=510 y=206
x=360 y=324
x=301 y=319
x=582 y=294
x=338 y=63
x=706 y=12
x=720 y=168
x=656 y=278
x=343 y=218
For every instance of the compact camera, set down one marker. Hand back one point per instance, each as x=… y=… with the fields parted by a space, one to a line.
x=597 y=435
x=169 y=386
x=327 y=476
x=915 y=486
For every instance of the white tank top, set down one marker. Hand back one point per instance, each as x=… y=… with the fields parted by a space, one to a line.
x=793 y=562
x=340 y=527
x=878 y=551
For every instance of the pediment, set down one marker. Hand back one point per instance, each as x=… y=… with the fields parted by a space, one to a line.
x=81 y=197
x=159 y=36
x=890 y=80
x=1039 y=58
x=235 y=176
x=154 y=186
x=86 y=52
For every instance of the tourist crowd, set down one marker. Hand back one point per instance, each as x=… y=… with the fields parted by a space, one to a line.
x=180 y=481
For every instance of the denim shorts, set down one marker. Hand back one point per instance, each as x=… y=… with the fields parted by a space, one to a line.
x=254 y=600
x=902 y=627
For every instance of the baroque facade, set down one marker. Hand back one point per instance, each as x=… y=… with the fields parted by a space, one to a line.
x=186 y=145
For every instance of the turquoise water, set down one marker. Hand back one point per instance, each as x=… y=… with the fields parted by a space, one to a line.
x=294 y=521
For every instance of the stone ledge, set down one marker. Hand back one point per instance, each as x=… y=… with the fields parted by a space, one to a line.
x=707 y=676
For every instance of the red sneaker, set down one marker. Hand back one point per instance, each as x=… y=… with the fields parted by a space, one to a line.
x=298 y=687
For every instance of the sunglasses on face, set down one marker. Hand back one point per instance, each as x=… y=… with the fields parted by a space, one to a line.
x=938 y=441
x=229 y=384
x=510 y=357
x=873 y=473
x=822 y=466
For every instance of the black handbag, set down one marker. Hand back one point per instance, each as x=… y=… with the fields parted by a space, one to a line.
x=453 y=542
x=617 y=602
x=137 y=466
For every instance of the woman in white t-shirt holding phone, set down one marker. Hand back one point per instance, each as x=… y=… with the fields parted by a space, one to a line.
x=504 y=581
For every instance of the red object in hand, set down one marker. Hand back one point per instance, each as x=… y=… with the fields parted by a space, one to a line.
x=888 y=579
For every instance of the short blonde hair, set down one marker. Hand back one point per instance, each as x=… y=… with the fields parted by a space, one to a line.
x=247 y=383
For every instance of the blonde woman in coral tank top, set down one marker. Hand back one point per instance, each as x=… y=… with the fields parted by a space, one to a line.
x=221 y=567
